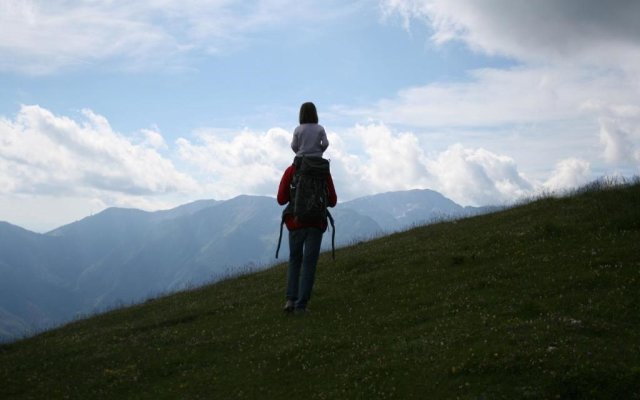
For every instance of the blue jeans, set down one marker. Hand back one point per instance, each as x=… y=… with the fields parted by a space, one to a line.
x=304 y=250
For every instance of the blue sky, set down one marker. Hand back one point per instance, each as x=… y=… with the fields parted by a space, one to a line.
x=157 y=103
x=352 y=59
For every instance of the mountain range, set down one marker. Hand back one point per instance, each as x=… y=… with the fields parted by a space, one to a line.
x=120 y=256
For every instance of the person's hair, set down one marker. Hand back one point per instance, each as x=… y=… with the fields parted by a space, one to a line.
x=308 y=113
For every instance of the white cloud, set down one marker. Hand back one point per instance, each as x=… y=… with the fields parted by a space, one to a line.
x=40 y=37
x=588 y=32
x=521 y=95
x=154 y=139
x=478 y=176
x=618 y=146
x=69 y=168
x=577 y=61
x=366 y=159
x=45 y=154
x=568 y=174
x=392 y=161
x=247 y=163
x=388 y=161
x=54 y=169
x=537 y=115
x=574 y=64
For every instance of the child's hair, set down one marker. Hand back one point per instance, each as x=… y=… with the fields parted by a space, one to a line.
x=308 y=113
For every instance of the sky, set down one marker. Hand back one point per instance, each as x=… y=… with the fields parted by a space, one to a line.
x=155 y=103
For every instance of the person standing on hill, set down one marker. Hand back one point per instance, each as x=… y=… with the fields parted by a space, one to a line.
x=309 y=138
x=308 y=177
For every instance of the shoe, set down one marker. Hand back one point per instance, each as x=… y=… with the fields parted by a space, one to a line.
x=289 y=306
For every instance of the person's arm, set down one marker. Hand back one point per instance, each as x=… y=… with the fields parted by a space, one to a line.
x=285 y=182
x=295 y=142
x=324 y=142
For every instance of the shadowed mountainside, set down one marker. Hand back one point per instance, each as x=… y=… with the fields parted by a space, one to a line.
x=120 y=255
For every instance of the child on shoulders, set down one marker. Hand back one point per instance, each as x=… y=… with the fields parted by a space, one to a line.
x=309 y=138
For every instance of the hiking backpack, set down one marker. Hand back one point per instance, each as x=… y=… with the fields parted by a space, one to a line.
x=308 y=196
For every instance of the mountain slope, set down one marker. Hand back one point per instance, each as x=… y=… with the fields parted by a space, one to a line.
x=124 y=255
x=539 y=301
x=119 y=256
x=31 y=294
x=397 y=210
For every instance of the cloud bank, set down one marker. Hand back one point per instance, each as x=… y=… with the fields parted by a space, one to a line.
x=243 y=163
x=61 y=161
x=253 y=162
x=47 y=156
x=41 y=153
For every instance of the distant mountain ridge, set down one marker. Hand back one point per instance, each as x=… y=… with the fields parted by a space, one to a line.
x=398 y=210
x=124 y=255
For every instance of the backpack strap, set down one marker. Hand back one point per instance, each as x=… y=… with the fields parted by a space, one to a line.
x=296 y=163
x=333 y=235
x=284 y=213
x=279 y=238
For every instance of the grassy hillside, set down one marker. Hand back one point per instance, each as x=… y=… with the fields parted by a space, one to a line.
x=539 y=301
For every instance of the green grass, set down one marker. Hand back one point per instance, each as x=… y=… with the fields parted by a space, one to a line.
x=541 y=301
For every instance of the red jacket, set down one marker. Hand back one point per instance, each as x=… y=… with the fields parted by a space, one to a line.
x=284 y=197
